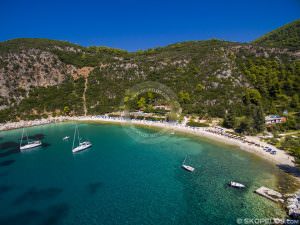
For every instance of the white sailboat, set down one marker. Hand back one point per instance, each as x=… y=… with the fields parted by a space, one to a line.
x=30 y=144
x=81 y=145
x=187 y=167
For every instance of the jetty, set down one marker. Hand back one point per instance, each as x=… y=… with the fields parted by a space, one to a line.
x=270 y=194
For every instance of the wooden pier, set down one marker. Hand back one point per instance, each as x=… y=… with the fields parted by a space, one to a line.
x=270 y=194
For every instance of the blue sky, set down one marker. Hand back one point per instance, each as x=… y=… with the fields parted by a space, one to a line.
x=133 y=24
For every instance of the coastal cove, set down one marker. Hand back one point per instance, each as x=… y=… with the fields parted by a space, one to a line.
x=281 y=158
x=289 y=182
x=119 y=179
x=150 y=113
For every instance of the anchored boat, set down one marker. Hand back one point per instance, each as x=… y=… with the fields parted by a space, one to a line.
x=81 y=145
x=66 y=138
x=30 y=144
x=236 y=185
x=187 y=167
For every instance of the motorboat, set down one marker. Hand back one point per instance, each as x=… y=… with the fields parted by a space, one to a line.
x=236 y=184
x=66 y=138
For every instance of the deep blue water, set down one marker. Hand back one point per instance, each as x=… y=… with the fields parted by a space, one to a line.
x=122 y=181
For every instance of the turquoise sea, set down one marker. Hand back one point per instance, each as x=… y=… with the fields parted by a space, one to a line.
x=123 y=181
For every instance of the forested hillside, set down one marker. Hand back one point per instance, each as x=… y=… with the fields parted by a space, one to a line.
x=287 y=36
x=41 y=78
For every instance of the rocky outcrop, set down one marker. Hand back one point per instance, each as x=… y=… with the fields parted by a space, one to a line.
x=24 y=70
x=293 y=205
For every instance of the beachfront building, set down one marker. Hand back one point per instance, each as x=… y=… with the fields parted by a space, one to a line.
x=274 y=119
x=163 y=107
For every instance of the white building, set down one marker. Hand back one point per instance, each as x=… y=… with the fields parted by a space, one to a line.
x=273 y=119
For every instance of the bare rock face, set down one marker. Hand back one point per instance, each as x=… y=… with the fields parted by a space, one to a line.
x=84 y=71
x=24 y=70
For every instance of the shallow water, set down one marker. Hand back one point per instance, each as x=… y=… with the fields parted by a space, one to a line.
x=122 y=181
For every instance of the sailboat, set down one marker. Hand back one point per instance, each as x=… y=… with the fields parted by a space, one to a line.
x=30 y=144
x=187 y=167
x=81 y=145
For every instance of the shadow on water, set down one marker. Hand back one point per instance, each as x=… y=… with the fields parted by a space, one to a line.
x=290 y=169
x=50 y=216
x=28 y=217
x=93 y=188
x=7 y=162
x=8 y=145
x=37 y=136
x=55 y=214
x=33 y=195
x=34 y=137
x=8 y=148
x=3 y=174
x=5 y=188
x=9 y=152
x=45 y=145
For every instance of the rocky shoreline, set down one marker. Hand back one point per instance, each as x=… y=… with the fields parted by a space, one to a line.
x=293 y=205
x=31 y=123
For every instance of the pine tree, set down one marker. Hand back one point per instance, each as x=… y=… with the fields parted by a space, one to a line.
x=259 y=119
x=229 y=120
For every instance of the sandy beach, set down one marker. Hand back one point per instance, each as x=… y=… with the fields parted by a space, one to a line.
x=249 y=144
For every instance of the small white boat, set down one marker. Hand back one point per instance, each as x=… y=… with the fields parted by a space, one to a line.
x=187 y=167
x=30 y=144
x=236 y=184
x=66 y=138
x=81 y=145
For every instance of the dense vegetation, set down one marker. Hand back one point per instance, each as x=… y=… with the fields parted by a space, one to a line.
x=240 y=83
x=64 y=99
x=287 y=36
x=18 y=44
x=189 y=77
x=275 y=88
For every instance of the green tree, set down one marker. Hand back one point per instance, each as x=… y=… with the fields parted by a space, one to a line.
x=141 y=102
x=244 y=126
x=295 y=101
x=259 y=119
x=230 y=120
x=150 y=97
x=184 y=97
x=252 y=96
x=200 y=87
x=66 y=110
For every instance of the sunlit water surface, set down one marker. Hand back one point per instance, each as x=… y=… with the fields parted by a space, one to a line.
x=123 y=181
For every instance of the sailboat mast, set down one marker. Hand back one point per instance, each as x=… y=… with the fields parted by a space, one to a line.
x=22 y=138
x=78 y=136
x=27 y=137
x=74 y=138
